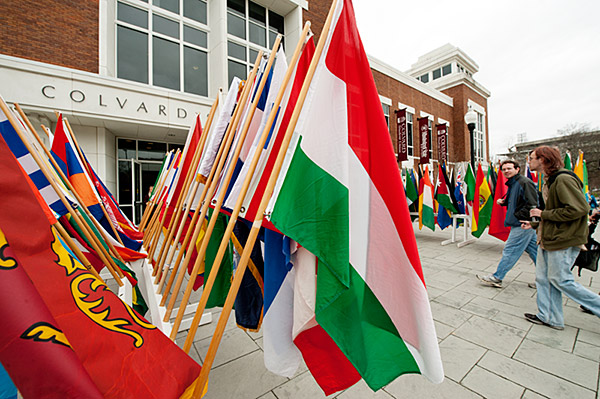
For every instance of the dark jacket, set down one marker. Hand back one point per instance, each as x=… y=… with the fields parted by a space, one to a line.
x=565 y=217
x=520 y=198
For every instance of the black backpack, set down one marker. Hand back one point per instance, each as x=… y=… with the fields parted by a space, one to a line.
x=588 y=259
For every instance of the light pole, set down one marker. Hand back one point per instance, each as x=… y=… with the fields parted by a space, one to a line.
x=470 y=120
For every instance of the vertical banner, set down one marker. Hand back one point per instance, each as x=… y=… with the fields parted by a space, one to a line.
x=402 y=143
x=424 y=144
x=442 y=144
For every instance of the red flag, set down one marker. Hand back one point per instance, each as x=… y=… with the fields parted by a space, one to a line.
x=34 y=351
x=497 y=227
x=125 y=356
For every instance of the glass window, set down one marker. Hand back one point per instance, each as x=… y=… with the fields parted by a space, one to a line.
x=195 y=36
x=386 y=113
x=409 y=133
x=132 y=15
x=437 y=73
x=236 y=25
x=276 y=22
x=151 y=151
x=165 y=26
x=479 y=138
x=165 y=63
x=196 y=10
x=258 y=14
x=236 y=69
x=424 y=78
x=175 y=147
x=447 y=69
x=125 y=194
x=126 y=149
x=253 y=55
x=195 y=74
x=236 y=51
x=237 y=5
x=132 y=55
x=170 y=5
x=258 y=34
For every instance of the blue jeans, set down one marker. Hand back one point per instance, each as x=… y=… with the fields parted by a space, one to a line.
x=553 y=277
x=519 y=241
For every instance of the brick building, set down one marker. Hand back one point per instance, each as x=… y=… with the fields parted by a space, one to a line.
x=131 y=74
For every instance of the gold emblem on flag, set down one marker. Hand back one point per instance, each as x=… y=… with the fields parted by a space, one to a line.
x=45 y=332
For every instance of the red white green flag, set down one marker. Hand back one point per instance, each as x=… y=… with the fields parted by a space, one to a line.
x=426 y=213
x=340 y=196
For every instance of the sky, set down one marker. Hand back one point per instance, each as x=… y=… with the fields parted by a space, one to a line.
x=539 y=59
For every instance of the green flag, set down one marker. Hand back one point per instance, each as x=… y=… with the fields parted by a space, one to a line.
x=567 y=161
x=411 y=191
x=470 y=182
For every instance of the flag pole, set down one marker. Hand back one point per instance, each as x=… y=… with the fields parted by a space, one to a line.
x=170 y=243
x=209 y=189
x=235 y=212
x=190 y=195
x=80 y=256
x=89 y=171
x=200 y=206
x=159 y=184
x=45 y=171
x=243 y=263
x=224 y=183
x=151 y=201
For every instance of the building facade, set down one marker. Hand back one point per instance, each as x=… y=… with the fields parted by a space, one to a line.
x=130 y=76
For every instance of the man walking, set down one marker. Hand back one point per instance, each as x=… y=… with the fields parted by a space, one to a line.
x=520 y=198
x=562 y=230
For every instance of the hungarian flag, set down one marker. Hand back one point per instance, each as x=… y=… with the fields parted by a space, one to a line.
x=125 y=356
x=443 y=194
x=497 y=227
x=567 y=160
x=482 y=206
x=412 y=193
x=426 y=213
x=471 y=184
x=340 y=197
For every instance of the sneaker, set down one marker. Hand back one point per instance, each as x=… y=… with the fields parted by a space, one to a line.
x=490 y=280
x=532 y=285
x=535 y=320
x=585 y=310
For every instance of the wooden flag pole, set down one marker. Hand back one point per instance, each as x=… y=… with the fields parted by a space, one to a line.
x=218 y=334
x=191 y=195
x=89 y=171
x=155 y=200
x=80 y=256
x=224 y=183
x=208 y=285
x=161 y=220
x=209 y=189
x=46 y=172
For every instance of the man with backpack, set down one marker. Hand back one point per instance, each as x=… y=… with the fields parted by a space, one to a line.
x=562 y=231
x=520 y=198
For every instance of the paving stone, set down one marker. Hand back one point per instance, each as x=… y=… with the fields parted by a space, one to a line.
x=589 y=337
x=268 y=395
x=442 y=330
x=563 y=340
x=479 y=310
x=448 y=315
x=242 y=378
x=515 y=321
x=234 y=343
x=361 y=390
x=415 y=386
x=474 y=286
x=586 y=350
x=303 y=386
x=532 y=378
x=566 y=365
x=532 y=395
x=456 y=299
x=490 y=334
x=459 y=356
x=490 y=385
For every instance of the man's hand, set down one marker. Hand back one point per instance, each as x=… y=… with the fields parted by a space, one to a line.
x=525 y=225
x=535 y=212
x=500 y=201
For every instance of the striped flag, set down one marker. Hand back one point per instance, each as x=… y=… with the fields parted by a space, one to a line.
x=341 y=198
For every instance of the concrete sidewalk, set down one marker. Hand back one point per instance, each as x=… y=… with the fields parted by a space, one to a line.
x=488 y=349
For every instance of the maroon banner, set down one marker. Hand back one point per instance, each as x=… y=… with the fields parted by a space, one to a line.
x=442 y=144
x=402 y=143
x=424 y=144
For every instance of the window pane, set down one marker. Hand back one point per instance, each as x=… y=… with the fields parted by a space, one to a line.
x=258 y=35
x=272 y=37
x=165 y=26
x=171 y=5
x=132 y=15
x=195 y=9
x=195 y=36
x=437 y=74
x=236 y=25
x=132 y=55
x=125 y=195
x=425 y=78
x=258 y=13
x=165 y=61
x=151 y=151
x=276 y=22
x=126 y=149
x=447 y=69
x=236 y=51
x=236 y=69
x=253 y=55
x=195 y=78
x=237 y=5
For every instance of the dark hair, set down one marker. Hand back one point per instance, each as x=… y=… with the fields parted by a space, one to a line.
x=550 y=158
x=514 y=162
